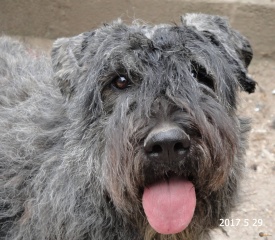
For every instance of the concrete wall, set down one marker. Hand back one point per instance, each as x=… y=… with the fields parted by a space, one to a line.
x=57 y=18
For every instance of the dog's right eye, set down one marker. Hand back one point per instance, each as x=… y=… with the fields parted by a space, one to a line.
x=121 y=82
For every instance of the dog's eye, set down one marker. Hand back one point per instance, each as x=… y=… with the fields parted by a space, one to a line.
x=202 y=77
x=121 y=82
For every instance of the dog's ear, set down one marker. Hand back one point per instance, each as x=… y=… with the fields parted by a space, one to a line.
x=233 y=43
x=66 y=61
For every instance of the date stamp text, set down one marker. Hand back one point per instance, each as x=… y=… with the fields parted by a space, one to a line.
x=234 y=222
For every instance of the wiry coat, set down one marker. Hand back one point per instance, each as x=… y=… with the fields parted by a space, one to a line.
x=72 y=164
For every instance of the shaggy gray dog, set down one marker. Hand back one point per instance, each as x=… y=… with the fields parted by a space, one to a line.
x=128 y=132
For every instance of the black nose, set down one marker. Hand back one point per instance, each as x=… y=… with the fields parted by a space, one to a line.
x=166 y=143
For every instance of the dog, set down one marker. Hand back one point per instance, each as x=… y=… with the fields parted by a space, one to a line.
x=126 y=132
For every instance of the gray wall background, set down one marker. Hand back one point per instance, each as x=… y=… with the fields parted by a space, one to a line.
x=58 y=18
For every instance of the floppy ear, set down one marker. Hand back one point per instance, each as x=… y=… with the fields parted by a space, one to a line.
x=66 y=61
x=234 y=44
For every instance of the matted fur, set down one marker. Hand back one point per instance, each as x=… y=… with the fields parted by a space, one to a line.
x=73 y=165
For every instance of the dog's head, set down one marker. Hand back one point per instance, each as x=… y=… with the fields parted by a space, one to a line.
x=165 y=98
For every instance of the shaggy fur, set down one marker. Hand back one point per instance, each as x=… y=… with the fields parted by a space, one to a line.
x=72 y=158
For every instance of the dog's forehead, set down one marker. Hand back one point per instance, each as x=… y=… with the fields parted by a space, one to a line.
x=170 y=36
x=143 y=48
x=138 y=36
x=150 y=31
x=158 y=45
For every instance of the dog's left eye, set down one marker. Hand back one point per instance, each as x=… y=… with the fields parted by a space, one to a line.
x=121 y=82
x=202 y=77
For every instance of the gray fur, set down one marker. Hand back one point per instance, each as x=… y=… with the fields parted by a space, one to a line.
x=71 y=144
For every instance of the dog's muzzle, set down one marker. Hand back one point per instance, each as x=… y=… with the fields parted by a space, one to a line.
x=169 y=202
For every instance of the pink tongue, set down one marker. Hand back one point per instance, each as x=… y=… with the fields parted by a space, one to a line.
x=169 y=206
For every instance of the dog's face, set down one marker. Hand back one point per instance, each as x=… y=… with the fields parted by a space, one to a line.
x=165 y=99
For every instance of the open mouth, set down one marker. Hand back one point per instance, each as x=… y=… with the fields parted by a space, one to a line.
x=169 y=204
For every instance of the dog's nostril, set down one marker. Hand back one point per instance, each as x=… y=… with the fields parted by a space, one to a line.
x=156 y=149
x=183 y=145
x=178 y=147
